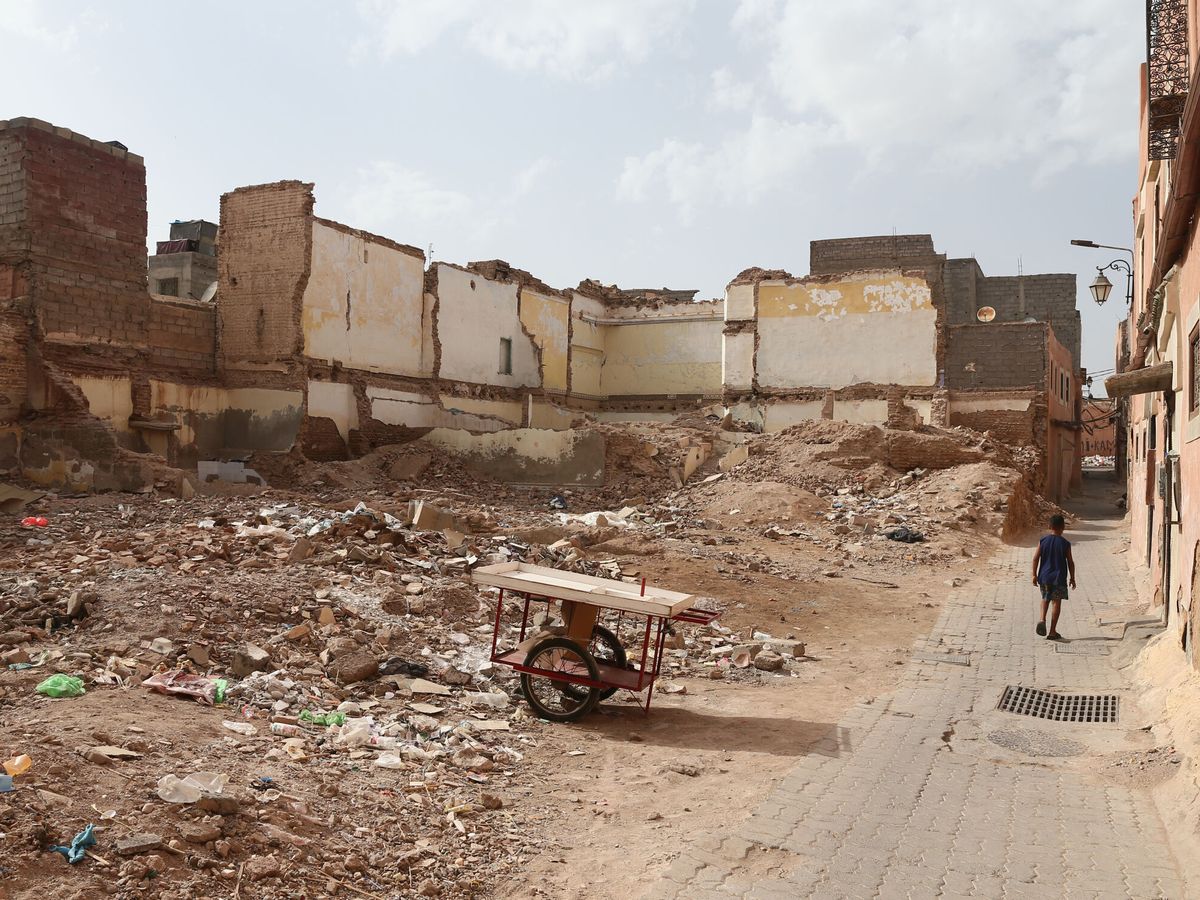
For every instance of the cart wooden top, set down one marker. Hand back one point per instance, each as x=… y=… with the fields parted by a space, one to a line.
x=603 y=592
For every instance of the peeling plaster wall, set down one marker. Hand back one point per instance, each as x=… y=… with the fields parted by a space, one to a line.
x=474 y=313
x=363 y=303
x=548 y=320
x=110 y=399
x=334 y=401
x=865 y=327
x=861 y=412
x=737 y=361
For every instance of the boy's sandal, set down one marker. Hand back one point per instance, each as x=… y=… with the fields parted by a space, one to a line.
x=1041 y=629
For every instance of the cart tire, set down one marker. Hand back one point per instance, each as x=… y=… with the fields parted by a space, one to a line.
x=606 y=648
x=559 y=701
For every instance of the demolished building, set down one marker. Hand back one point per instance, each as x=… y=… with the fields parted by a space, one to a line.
x=331 y=340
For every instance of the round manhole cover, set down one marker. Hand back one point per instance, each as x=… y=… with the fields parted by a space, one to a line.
x=1035 y=743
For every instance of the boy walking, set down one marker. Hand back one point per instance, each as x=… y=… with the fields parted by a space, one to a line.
x=1053 y=565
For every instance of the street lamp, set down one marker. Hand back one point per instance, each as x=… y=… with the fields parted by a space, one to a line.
x=1101 y=287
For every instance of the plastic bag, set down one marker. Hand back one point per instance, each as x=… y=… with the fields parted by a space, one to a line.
x=61 y=686
x=190 y=789
x=323 y=718
x=79 y=845
x=203 y=687
x=18 y=765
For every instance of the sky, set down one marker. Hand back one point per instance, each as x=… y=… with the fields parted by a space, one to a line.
x=647 y=143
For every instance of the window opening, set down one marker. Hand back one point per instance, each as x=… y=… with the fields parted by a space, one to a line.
x=505 y=356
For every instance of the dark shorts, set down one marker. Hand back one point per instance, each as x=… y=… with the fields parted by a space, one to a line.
x=1053 y=591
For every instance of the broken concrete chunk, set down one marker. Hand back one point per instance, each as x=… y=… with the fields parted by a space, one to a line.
x=141 y=842
x=768 y=661
x=199 y=832
x=301 y=550
x=250 y=658
x=785 y=647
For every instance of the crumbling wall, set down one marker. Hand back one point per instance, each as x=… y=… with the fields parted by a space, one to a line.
x=529 y=455
x=890 y=251
x=183 y=336
x=363 y=301
x=548 y=319
x=865 y=327
x=14 y=336
x=475 y=314
x=660 y=354
x=265 y=251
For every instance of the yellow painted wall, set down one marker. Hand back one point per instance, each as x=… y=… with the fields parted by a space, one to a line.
x=662 y=358
x=110 y=399
x=547 y=319
x=878 y=327
x=382 y=332
x=587 y=346
x=334 y=401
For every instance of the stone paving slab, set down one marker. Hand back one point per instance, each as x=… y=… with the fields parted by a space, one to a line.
x=918 y=803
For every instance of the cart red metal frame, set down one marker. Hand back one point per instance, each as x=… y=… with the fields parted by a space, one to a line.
x=578 y=667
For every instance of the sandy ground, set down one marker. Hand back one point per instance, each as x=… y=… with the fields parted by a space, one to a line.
x=642 y=782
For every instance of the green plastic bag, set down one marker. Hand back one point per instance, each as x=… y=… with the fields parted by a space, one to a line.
x=61 y=686
x=329 y=718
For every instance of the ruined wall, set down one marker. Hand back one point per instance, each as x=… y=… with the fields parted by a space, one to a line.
x=474 y=315
x=867 y=327
x=675 y=351
x=548 y=319
x=183 y=336
x=587 y=345
x=363 y=303
x=216 y=421
x=266 y=248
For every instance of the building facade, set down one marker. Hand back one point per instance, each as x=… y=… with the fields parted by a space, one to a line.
x=1158 y=346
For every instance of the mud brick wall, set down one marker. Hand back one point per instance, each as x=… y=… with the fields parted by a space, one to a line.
x=183 y=336
x=997 y=356
x=85 y=215
x=266 y=252
x=881 y=252
x=1013 y=426
x=14 y=333
x=1048 y=298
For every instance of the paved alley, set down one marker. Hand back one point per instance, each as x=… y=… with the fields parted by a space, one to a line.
x=932 y=792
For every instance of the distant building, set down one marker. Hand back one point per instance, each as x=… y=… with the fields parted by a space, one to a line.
x=186 y=265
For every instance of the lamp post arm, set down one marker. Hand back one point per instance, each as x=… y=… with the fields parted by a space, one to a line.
x=1120 y=265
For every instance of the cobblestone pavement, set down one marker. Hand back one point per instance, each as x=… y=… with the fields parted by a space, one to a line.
x=927 y=792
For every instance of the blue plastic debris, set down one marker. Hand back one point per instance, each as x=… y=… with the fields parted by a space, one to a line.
x=79 y=845
x=6 y=784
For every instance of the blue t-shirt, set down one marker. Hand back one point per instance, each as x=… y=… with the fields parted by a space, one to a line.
x=1052 y=565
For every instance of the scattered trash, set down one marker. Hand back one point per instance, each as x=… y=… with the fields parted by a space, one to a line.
x=394 y=665
x=329 y=718
x=242 y=728
x=79 y=845
x=905 y=535
x=35 y=521
x=558 y=501
x=204 y=688
x=18 y=765
x=61 y=686
x=191 y=788
x=6 y=783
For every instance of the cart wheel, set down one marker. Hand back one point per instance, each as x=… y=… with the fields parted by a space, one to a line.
x=605 y=648
x=559 y=701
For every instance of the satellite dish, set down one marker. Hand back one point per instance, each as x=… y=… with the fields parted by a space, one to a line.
x=985 y=314
x=209 y=293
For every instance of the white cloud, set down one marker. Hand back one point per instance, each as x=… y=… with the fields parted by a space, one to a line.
x=582 y=40
x=925 y=85
x=385 y=196
x=27 y=19
x=529 y=178
x=743 y=167
x=730 y=93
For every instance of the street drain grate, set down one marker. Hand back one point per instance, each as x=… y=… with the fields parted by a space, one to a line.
x=1081 y=649
x=1080 y=708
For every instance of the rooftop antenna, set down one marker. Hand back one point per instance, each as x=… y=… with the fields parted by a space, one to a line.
x=429 y=255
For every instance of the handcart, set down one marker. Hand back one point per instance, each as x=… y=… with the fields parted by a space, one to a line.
x=567 y=670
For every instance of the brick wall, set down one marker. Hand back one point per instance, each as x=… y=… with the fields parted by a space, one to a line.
x=1013 y=426
x=14 y=332
x=266 y=248
x=86 y=214
x=880 y=252
x=996 y=356
x=183 y=336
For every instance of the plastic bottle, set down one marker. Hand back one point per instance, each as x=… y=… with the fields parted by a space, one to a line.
x=286 y=730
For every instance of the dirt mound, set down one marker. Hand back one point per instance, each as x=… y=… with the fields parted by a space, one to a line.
x=762 y=503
